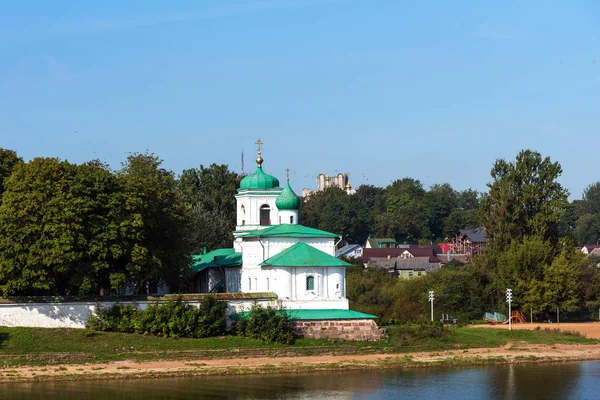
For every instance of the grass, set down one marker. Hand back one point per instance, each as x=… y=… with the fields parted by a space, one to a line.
x=39 y=346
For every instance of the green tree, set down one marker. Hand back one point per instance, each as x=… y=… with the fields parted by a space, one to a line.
x=591 y=199
x=524 y=199
x=441 y=200
x=587 y=229
x=156 y=224
x=58 y=228
x=8 y=161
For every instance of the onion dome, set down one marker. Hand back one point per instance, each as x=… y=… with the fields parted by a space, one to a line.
x=259 y=180
x=288 y=200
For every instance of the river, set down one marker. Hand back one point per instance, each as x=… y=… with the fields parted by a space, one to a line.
x=525 y=381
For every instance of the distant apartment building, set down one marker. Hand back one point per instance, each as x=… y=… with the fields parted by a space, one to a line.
x=325 y=181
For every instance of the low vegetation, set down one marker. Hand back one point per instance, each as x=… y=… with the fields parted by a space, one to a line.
x=39 y=346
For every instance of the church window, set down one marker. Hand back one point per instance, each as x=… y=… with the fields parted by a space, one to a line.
x=255 y=283
x=310 y=282
x=268 y=286
x=291 y=219
x=337 y=285
x=279 y=220
x=249 y=283
x=265 y=215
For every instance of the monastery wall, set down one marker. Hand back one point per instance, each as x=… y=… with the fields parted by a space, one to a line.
x=76 y=314
x=354 y=329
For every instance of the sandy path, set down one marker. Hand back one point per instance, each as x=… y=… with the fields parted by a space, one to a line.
x=590 y=329
x=515 y=352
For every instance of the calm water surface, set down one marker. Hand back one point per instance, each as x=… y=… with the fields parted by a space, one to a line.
x=552 y=381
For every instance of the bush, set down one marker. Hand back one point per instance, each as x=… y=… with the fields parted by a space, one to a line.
x=174 y=318
x=409 y=334
x=269 y=324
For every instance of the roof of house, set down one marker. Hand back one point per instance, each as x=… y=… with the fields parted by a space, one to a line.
x=216 y=258
x=349 y=248
x=375 y=242
x=595 y=252
x=289 y=230
x=380 y=253
x=475 y=235
x=412 y=263
x=300 y=315
x=303 y=255
x=590 y=247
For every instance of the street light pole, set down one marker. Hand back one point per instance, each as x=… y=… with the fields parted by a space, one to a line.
x=431 y=297
x=509 y=300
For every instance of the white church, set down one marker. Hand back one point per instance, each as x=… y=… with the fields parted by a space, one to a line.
x=273 y=253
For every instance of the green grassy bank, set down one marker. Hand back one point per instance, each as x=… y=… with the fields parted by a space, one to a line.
x=38 y=346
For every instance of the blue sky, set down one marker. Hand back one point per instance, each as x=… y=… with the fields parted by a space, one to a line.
x=379 y=89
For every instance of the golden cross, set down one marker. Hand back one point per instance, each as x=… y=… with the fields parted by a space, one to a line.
x=259 y=143
x=287 y=173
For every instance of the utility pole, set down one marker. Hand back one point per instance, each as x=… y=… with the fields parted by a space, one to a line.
x=509 y=300
x=431 y=297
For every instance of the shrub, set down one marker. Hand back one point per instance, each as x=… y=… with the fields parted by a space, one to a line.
x=174 y=318
x=409 y=334
x=269 y=324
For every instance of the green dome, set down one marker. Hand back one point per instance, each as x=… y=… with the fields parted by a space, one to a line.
x=259 y=180
x=288 y=200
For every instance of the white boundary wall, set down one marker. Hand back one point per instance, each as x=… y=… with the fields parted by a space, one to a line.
x=76 y=315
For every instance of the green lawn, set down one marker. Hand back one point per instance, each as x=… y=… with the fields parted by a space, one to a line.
x=39 y=346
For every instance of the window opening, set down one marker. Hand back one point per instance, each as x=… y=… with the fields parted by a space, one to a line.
x=310 y=282
x=265 y=215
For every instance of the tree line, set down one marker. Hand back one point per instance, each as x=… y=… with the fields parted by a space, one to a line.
x=77 y=229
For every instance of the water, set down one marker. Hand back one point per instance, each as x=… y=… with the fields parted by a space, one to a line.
x=531 y=382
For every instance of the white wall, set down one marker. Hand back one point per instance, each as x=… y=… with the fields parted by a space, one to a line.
x=76 y=315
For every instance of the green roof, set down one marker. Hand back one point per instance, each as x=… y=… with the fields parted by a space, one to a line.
x=303 y=255
x=300 y=315
x=290 y=230
x=288 y=200
x=259 y=180
x=216 y=258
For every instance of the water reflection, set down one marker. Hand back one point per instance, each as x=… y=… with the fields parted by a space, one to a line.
x=529 y=381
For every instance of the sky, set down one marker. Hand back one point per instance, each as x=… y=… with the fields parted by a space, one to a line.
x=432 y=90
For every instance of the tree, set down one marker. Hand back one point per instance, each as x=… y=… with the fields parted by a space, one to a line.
x=591 y=199
x=587 y=229
x=156 y=224
x=440 y=200
x=524 y=199
x=59 y=228
x=8 y=161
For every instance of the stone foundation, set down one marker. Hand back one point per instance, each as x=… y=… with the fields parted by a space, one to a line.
x=347 y=329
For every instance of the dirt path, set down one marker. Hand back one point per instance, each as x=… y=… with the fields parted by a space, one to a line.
x=590 y=329
x=512 y=353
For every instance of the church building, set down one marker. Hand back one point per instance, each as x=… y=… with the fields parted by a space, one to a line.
x=273 y=253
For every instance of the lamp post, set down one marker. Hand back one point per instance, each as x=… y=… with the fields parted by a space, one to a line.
x=509 y=300
x=431 y=297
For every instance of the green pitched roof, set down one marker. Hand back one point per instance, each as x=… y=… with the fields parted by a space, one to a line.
x=288 y=200
x=216 y=258
x=290 y=230
x=299 y=315
x=259 y=180
x=303 y=255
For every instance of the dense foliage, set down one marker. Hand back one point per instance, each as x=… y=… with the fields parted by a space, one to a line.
x=174 y=318
x=269 y=324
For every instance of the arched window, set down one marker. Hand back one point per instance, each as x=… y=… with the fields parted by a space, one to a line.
x=310 y=282
x=249 y=284
x=265 y=215
x=291 y=219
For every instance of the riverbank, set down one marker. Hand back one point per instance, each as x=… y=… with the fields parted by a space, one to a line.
x=30 y=354
x=513 y=353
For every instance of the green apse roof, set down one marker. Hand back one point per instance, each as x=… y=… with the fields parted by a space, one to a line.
x=299 y=315
x=288 y=200
x=216 y=258
x=290 y=230
x=303 y=255
x=259 y=180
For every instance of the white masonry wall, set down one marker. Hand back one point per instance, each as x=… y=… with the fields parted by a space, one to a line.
x=76 y=315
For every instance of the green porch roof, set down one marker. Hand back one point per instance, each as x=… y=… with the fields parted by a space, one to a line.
x=303 y=255
x=216 y=258
x=290 y=230
x=302 y=315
